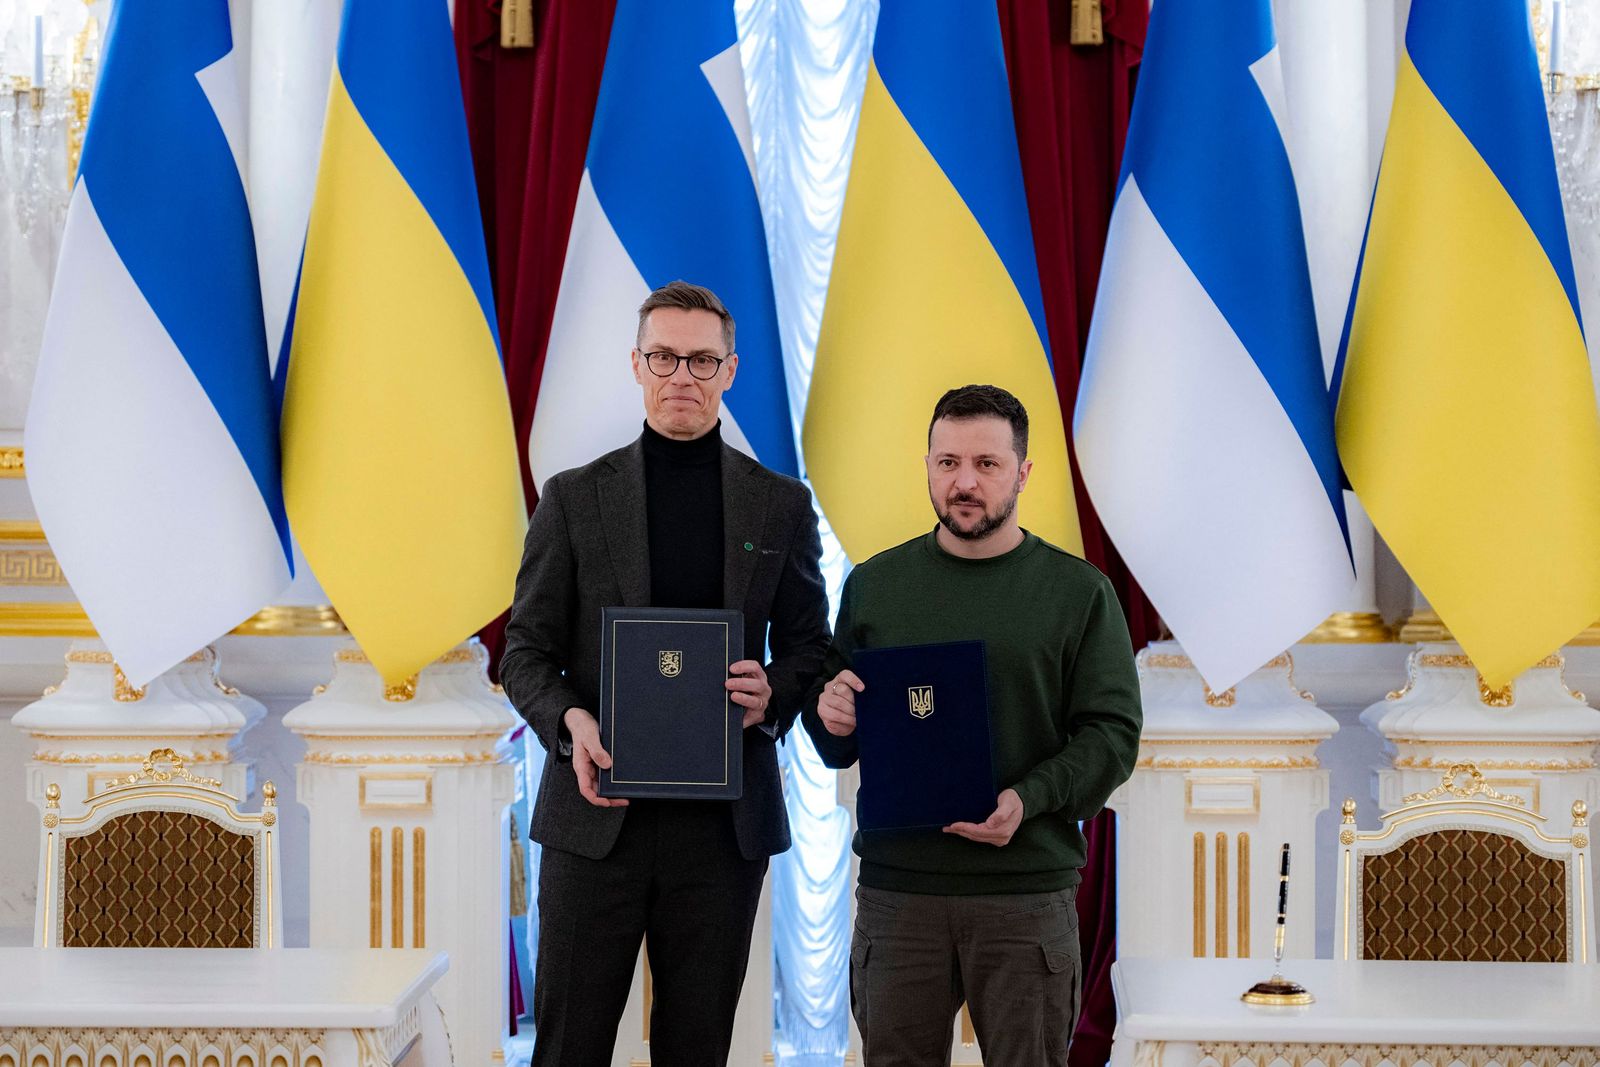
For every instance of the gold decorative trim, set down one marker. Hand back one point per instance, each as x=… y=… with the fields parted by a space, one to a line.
x=30 y=568
x=1275 y=763
x=121 y=691
x=1496 y=697
x=402 y=692
x=1225 y=699
x=425 y=777
x=412 y=738
x=455 y=655
x=397 y=888
x=1431 y=763
x=74 y=758
x=104 y=658
x=65 y=618
x=1166 y=662
x=67 y=1046
x=1254 y=781
x=1199 y=895
x=346 y=758
x=1222 y=895
x=218 y=736
x=419 y=888
x=1244 y=895
x=12 y=464
x=1279 y=741
x=1474 y=786
x=1580 y=813
x=1358 y=1054
x=1351 y=627
x=150 y=772
x=377 y=887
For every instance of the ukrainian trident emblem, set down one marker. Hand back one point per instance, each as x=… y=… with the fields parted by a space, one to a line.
x=671 y=663
x=921 y=697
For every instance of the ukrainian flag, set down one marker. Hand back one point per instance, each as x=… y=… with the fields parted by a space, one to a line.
x=1466 y=417
x=934 y=283
x=399 y=457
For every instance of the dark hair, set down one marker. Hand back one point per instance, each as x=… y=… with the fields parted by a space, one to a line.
x=984 y=402
x=681 y=294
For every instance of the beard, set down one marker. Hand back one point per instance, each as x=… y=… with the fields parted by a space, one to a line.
x=988 y=524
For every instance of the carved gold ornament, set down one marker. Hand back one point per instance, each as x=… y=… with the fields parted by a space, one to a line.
x=1580 y=840
x=122 y=692
x=1357 y=1054
x=1347 y=837
x=1474 y=786
x=404 y=691
x=11 y=463
x=1580 y=813
x=1225 y=699
x=151 y=771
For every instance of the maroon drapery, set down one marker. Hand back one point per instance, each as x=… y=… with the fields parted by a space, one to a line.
x=1071 y=105
x=528 y=116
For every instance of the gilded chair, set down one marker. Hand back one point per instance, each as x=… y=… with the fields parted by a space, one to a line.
x=1464 y=872
x=159 y=859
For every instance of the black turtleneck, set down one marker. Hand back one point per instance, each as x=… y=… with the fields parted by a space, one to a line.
x=683 y=509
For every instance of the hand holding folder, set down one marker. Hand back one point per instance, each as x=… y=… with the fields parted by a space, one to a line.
x=922 y=726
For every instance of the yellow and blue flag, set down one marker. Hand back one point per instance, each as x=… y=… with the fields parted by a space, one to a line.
x=1466 y=413
x=399 y=456
x=934 y=284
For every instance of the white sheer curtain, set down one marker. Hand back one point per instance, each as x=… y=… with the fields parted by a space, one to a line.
x=805 y=65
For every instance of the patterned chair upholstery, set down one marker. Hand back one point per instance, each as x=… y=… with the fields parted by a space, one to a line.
x=159 y=859
x=1464 y=872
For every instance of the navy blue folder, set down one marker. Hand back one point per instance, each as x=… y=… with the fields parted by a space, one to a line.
x=922 y=727
x=665 y=716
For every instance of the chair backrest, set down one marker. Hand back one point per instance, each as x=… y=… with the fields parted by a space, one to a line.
x=159 y=859
x=1464 y=872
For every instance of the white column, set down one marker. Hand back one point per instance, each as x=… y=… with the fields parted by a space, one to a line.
x=94 y=727
x=407 y=788
x=1535 y=738
x=1222 y=781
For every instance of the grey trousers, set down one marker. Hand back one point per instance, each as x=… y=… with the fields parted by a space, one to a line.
x=1012 y=958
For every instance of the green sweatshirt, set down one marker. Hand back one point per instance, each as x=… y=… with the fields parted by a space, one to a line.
x=1064 y=710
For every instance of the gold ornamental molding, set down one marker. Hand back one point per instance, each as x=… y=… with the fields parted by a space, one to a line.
x=1352 y=1054
x=1463 y=780
x=354 y=758
x=11 y=465
x=25 y=530
x=30 y=567
x=68 y=619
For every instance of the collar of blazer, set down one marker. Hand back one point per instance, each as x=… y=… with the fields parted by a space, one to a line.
x=746 y=491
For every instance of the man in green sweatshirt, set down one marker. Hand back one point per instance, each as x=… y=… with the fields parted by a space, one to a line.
x=984 y=912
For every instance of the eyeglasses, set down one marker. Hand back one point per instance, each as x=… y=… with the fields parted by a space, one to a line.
x=665 y=364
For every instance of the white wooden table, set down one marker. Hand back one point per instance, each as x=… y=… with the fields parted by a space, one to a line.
x=214 y=1007
x=1187 y=1013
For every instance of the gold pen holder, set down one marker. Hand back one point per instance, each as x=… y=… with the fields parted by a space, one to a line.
x=1277 y=992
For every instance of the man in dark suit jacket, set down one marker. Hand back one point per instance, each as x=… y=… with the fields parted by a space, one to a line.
x=675 y=519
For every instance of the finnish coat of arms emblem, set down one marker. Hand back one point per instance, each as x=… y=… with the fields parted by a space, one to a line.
x=671 y=663
x=921 y=697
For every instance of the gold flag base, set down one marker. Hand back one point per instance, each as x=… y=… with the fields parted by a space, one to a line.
x=1352 y=628
x=1277 y=992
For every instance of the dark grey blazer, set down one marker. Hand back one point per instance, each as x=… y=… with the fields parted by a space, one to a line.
x=587 y=549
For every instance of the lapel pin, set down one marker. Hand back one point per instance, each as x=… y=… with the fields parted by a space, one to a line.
x=748 y=547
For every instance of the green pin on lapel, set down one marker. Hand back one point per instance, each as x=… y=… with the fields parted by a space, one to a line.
x=748 y=547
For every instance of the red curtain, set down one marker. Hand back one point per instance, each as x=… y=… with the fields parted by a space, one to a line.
x=528 y=116
x=1071 y=105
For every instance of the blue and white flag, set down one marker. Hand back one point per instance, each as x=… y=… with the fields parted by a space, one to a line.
x=1203 y=425
x=668 y=192
x=151 y=440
